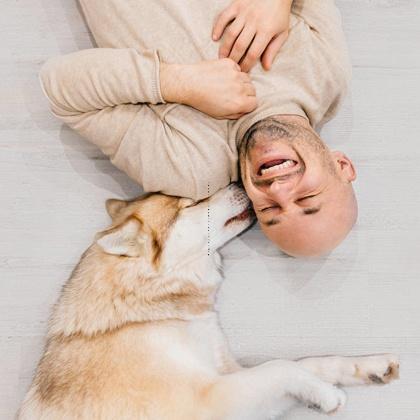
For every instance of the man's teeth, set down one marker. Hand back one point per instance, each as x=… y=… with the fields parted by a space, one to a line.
x=285 y=164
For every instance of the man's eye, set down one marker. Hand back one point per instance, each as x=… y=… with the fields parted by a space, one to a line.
x=269 y=208
x=305 y=198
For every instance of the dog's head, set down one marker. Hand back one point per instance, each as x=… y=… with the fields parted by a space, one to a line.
x=156 y=261
x=165 y=230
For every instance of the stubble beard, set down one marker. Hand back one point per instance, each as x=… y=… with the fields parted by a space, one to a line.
x=299 y=138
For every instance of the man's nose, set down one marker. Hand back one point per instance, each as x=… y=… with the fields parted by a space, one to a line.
x=281 y=193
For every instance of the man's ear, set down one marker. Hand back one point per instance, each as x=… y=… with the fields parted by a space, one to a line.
x=114 y=206
x=125 y=240
x=344 y=165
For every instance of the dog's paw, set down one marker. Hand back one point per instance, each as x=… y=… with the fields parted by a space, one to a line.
x=330 y=400
x=334 y=401
x=380 y=369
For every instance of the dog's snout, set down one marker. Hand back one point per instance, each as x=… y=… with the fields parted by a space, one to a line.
x=234 y=195
x=239 y=196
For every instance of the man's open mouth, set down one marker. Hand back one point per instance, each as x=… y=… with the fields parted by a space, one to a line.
x=276 y=167
x=243 y=215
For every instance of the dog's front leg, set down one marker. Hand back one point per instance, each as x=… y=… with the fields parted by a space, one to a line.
x=348 y=371
x=267 y=391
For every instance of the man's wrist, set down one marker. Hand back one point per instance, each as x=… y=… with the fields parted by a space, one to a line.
x=171 y=83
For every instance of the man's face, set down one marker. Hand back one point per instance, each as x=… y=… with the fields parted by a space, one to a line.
x=301 y=192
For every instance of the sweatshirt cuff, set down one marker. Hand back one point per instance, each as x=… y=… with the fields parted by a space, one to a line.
x=157 y=93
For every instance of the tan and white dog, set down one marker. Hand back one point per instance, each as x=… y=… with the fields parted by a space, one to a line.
x=134 y=334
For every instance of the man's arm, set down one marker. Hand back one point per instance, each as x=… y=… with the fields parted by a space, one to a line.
x=103 y=99
x=99 y=92
x=99 y=78
x=322 y=16
x=94 y=79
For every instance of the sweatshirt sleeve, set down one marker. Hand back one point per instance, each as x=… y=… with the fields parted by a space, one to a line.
x=323 y=19
x=101 y=92
x=99 y=78
x=322 y=16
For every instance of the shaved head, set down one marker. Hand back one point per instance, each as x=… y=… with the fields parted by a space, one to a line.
x=301 y=191
x=319 y=232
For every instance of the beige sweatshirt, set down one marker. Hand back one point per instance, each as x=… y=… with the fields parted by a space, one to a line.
x=111 y=95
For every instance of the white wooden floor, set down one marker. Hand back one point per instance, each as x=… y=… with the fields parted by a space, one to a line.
x=363 y=298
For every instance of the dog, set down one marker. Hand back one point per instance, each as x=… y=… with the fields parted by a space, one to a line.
x=134 y=334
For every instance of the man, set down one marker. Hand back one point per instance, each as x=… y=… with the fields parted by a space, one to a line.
x=156 y=101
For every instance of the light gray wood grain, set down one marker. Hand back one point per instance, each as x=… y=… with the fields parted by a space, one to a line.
x=363 y=298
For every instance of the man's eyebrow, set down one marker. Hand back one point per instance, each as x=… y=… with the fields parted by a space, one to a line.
x=305 y=212
x=311 y=210
x=272 y=222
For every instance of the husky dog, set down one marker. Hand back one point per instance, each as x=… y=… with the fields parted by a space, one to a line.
x=134 y=334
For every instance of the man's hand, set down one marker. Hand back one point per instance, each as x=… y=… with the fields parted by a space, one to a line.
x=253 y=30
x=217 y=87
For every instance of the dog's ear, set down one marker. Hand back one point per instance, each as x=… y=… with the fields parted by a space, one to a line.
x=114 y=206
x=126 y=239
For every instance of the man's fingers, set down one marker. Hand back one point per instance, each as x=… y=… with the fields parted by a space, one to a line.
x=242 y=43
x=229 y=37
x=222 y=21
x=254 y=53
x=272 y=50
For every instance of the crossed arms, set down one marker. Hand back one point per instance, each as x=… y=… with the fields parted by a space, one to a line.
x=106 y=94
x=221 y=88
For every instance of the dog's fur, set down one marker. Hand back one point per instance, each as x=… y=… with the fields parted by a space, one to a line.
x=134 y=334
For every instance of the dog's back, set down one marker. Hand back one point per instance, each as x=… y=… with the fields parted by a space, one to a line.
x=158 y=370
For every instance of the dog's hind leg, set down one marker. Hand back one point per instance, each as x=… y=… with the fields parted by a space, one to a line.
x=347 y=371
x=267 y=391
